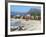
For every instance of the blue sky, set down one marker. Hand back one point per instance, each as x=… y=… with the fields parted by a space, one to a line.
x=23 y=9
x=15 y=8
x=20 y=8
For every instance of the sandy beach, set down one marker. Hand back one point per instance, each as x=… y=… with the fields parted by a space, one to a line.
x=29 y=25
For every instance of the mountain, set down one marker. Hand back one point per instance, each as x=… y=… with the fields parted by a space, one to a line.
x=31 y=11
x=34 y=11
x=18 y=13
